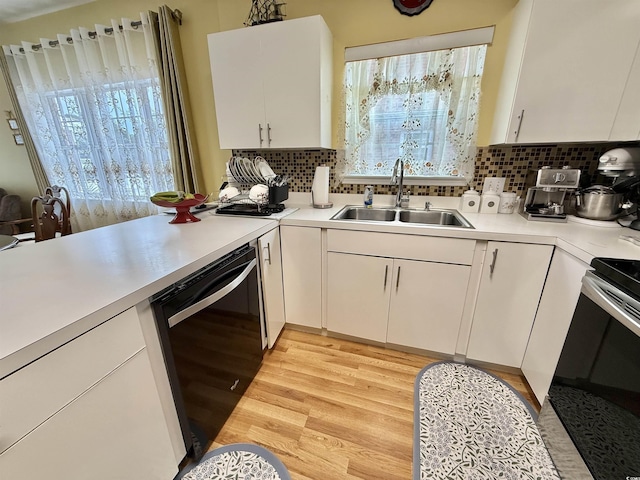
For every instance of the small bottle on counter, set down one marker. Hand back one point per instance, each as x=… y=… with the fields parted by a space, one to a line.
x=368 y=196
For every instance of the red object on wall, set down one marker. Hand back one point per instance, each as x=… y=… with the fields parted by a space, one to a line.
x=411 y=7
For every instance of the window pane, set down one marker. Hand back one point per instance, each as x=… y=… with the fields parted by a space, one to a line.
x=421 y=108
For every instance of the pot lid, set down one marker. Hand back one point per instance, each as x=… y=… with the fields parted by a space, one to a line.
x=599 y=190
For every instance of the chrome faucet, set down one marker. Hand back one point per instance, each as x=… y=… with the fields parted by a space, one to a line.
x=398 y=180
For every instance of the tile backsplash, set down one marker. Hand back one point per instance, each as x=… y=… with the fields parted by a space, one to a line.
x=514 y=162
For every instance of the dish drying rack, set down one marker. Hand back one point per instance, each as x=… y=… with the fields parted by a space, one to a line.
x=244 y=174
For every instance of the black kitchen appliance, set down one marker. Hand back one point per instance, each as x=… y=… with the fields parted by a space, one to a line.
x=595 y=390
x=623 y=165
x=212 y=334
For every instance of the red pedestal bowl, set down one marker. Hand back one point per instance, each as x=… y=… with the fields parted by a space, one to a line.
x=183 y=213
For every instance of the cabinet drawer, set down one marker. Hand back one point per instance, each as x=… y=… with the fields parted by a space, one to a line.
x=33 y=394
x=115 y=430
x=412 y=247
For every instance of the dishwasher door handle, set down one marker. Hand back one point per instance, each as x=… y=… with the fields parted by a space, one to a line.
x=213 y=298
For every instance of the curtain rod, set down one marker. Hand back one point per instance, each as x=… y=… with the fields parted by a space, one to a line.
x=108 y=31
x=176 y=14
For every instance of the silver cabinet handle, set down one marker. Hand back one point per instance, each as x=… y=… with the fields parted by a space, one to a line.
x=493 y=263
x=269 y=134
x=268 y=252
x=517 y=132
x=260 y=133
x=386 y=272
x=398 y=279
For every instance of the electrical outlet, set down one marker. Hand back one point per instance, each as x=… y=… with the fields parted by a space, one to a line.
x=495 y=184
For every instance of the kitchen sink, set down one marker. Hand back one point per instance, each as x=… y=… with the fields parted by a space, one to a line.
x=432 y=217
x=450 y=218
x=369 y=214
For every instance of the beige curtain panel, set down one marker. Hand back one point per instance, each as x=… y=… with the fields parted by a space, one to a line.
x=182 y=141
x=42 y=181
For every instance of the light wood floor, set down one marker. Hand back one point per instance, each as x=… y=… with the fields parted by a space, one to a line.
x=334 y=409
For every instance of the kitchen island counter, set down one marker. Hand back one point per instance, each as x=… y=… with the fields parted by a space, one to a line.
x=56 y=290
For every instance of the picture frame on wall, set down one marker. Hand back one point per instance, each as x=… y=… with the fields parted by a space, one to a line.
x=18 y=138
x=13 y=123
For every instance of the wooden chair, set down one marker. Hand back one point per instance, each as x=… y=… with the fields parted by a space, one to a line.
x=46 y=222
x=57 y=191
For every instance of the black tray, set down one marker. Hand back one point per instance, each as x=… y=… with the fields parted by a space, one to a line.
x=250 y=209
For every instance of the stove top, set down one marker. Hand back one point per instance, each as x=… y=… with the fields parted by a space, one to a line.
x=625 y=273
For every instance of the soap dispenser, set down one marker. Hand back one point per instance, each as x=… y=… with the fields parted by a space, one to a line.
x=470 y=201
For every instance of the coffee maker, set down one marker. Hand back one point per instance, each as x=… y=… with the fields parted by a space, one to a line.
x=545 y=200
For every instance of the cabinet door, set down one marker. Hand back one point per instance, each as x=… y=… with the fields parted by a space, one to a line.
x=116 y=429
x=427 y=300
x=272 y=291
x=571 y=74
x=302 y=275
x=237 y=87
x=627 y=123
x=294 y=92
x=558 y=301
x=512 y=278
x=358 y=295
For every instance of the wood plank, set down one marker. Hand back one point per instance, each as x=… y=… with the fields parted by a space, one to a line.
x=335 y=409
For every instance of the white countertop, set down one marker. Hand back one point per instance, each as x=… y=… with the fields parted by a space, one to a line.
x=582 y=241
x=53 y=291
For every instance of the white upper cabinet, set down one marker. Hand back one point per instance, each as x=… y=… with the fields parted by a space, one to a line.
x=272 y=84
x=567 y=73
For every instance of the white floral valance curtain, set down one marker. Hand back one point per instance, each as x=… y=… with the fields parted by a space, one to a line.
x=421 y=108
x=92 y=102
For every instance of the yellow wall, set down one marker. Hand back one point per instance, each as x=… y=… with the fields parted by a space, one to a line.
x=352 y=22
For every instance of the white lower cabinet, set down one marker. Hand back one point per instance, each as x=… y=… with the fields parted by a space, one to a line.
x=404 y=302
x=272 y=290
x=511 y=282
x=358 y=295
x=557 y=304
x=98 y=416
x=302 y=275
x=427 y=300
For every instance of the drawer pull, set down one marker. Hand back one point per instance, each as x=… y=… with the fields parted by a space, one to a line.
x=398 y=279
x=517 y=132
x=386 y=272
x=268 y=249
x=493 y=263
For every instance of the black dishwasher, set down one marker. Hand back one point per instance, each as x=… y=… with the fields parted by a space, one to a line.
x=211 y=330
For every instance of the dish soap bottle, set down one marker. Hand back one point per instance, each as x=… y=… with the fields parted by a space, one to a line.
x=368 y=196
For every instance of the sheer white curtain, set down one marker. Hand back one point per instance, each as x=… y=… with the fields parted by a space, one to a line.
x=421 y=108
x=92 y=102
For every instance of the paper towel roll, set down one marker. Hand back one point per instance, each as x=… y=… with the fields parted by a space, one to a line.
x=320 y=186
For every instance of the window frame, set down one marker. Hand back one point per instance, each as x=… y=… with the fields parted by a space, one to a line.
x=464 y=38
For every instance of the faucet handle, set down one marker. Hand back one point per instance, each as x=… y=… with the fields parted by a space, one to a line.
x=427 y=205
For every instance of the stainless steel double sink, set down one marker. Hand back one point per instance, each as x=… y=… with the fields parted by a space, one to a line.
x=431 y=217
